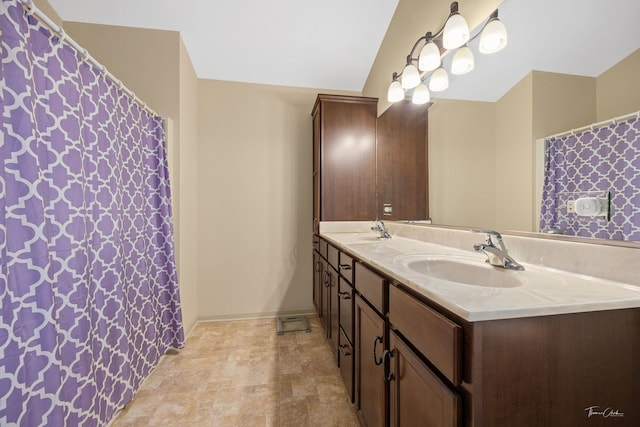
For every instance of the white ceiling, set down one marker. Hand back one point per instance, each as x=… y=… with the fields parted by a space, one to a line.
x=331 y=44
x=328 y=44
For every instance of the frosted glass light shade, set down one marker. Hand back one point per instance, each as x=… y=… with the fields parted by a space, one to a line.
x=493 y=38
x=429 y=58
x=421 y=94
x=456 y=32
x=463 y=61
x=439 y=80
x=410 y=77
x=395 y=92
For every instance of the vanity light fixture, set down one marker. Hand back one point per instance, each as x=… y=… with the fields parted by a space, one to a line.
x=420 y=95
x=428 y=65
x=494 y=36
x=395 y=92
x=439 y=80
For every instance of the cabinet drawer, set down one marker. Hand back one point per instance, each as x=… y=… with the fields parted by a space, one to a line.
x=323 y=248
x=333 y=256
x=346 y=361
x=371 y=286
x=436 y=337
x=345 y=296
x=316 y=242
x=346 y=267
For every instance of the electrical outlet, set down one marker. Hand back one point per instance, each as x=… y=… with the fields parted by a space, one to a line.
x=571 y=206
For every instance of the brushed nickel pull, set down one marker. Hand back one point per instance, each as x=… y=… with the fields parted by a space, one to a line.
x=345 y=267
x=343 y=348
x=377 y=361
x=386 y=372
x=344 y=295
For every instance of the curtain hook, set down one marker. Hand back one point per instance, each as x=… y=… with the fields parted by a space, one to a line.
x=62 y=35
x=31 y=7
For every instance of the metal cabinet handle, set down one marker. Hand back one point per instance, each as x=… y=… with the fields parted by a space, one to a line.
x=377 y=361
x=325 y=278
x=343 y=349
x=344 y=295
x=345 y=267
x=386 y=372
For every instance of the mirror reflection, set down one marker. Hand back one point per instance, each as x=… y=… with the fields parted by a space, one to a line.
x=486 y=132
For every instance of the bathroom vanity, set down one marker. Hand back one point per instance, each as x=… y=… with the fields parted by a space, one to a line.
x=430 y=335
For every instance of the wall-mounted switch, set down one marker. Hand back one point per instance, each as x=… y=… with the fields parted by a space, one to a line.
x=387 y=209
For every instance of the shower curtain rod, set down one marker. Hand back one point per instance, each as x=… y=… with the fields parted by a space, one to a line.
x=32 y=9
x=595 y=125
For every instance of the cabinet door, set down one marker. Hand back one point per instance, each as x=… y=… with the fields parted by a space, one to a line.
x=345 y=294
x=345 y=360
x=334 y=323
x=347 y=158
x=371 y=390
x=317 y=283
x=325 y=306
x=402 y=162
x=417 y=396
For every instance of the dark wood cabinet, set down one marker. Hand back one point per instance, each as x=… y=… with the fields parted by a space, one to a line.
x=402 y=183
x=417 y=396
x=370 y=342
x=346 y=356
x=344 y=159
x=317 y=283
x=411 y=362
x=330 y=303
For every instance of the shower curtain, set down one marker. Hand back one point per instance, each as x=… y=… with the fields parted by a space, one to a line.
x=88 y=287
x=593 y=162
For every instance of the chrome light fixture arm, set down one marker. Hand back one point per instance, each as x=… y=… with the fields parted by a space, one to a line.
x=433 y=64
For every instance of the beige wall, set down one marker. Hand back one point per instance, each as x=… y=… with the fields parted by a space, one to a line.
x=513 y=156
x=412 y=20
x=461 y=163
x=254 y=174
x=187 y=190
x=618 y=89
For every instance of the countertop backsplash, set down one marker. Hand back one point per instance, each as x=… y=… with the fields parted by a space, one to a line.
x=618 y=263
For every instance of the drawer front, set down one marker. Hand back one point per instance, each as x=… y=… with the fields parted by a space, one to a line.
x=316 y=242
x=333 y=256
x=346 y=267
x=324 y=248
x=345 y=296
x=371 y=286
x=346 y=361
x=436 y=337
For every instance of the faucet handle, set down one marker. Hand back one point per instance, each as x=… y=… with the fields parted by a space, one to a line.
x=490 y=236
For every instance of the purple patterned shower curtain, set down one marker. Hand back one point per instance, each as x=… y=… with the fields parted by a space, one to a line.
x=598 y=160
x=88 y=289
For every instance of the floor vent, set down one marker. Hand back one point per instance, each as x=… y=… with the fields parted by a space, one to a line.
x=292 y=324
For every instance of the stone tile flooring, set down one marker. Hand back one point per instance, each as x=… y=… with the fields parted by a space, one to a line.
x=241 y=373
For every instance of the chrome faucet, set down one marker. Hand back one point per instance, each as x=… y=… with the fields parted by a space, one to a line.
x=380 y=228
x=496 y=251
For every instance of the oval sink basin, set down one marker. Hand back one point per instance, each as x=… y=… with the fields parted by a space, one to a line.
x=467 y=271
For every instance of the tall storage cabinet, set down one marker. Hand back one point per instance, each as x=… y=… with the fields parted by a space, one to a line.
x=402 y=187
x=344 y=159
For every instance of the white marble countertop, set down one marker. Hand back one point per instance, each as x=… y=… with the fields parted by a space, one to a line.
x=544 y=291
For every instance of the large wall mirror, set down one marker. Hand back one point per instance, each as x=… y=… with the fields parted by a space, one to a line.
x=563 y=68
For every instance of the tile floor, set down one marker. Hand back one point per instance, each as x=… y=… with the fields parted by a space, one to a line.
x=241 y=373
